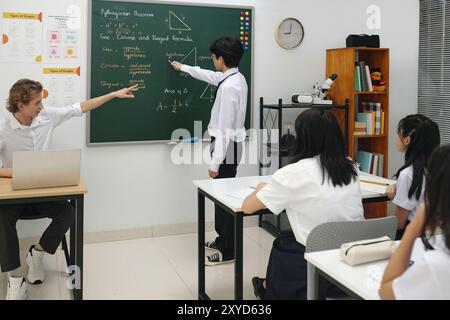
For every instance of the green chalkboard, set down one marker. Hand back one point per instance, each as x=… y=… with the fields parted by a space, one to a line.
x=130 y=42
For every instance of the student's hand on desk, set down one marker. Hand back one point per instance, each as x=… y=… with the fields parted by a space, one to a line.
x=260 y=186
x=391 y=190
x=126 y=93
x=175 y=65
x=6 y=172
x=212 y=174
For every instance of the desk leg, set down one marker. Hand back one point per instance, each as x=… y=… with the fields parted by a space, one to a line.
x=72 y=236
x=238 y=254
x=201 y=247
x=78 y=292
x=316 y=285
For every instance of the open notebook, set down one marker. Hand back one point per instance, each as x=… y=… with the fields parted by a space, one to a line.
x=375 y=184
x=243 y=193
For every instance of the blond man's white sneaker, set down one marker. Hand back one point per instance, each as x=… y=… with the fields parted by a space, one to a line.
x=17 y=289
x=36 y=272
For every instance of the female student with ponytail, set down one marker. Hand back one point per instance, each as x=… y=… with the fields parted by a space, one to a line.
x=417 y=137
x=429 y=277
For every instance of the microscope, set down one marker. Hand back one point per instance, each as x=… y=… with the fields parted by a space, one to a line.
x=318 y=95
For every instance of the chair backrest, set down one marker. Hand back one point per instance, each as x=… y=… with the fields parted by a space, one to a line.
x=331 y=235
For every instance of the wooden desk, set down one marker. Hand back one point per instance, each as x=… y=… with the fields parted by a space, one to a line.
x=75 y=195
x=218 y=191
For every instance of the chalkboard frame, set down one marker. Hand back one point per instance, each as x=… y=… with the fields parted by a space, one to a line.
x=195 y=4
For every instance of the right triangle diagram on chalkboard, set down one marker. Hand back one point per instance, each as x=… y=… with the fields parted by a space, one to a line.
x=175 y=23
x=190 y=58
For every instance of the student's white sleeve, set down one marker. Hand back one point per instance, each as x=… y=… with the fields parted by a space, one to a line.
x=59 y=115
x=401 y=198
x=415 y=283
x=228 y=105
x=275 y=196
x=202 y=74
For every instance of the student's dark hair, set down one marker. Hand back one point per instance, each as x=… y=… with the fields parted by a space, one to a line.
x=319 y=134
x=23 y=91
x=437 y=201
x=230 y=49
x=425 y=137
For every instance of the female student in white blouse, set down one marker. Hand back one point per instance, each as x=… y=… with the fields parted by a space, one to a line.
x=428 y=278
x=417 y=137
x=320 y=185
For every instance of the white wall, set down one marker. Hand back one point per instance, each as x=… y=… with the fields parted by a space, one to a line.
x=137 y=186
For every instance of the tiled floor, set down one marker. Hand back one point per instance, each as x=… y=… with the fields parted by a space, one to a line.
x=153 y=268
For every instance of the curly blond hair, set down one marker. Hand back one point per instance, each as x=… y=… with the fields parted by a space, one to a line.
x=23 y=91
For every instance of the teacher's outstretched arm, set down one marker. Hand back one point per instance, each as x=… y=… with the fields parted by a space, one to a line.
x=125 y=93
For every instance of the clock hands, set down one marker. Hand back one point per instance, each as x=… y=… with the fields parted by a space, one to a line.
x=290 y=30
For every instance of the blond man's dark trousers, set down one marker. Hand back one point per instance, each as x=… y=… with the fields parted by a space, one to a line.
x=61 y=213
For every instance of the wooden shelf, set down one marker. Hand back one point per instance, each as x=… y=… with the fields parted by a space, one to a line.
x=370 y=92
x=341 y=62
x=356 y=136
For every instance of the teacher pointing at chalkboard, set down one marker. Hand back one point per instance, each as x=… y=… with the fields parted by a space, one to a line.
x=28 y=126
x=226 y=125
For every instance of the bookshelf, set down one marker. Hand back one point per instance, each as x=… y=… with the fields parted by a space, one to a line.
x=341 y=61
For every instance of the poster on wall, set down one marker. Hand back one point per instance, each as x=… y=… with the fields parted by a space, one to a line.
x=22 y=37
x=62 y=38
x=61 y=86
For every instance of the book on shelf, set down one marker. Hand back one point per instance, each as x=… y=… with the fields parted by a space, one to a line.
x=369 y=79
x=377 y=109
x=376 y=118
x=364 y=84
x=369 y=162
x=369 y=119
x=360 y=128
x=357 y=77
x=363 y=80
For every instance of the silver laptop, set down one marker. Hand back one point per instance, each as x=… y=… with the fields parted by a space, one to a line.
x=45 y=169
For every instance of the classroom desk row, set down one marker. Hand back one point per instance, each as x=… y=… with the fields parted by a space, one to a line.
x=221 y=192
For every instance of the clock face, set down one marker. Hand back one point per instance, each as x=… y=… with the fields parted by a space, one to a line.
x=290 y=33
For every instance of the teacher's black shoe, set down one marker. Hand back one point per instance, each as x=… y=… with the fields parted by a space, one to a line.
x=258 y=288
x=216 y=258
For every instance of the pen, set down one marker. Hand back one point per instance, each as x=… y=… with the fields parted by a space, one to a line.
x=374 y=182
x=254 y=188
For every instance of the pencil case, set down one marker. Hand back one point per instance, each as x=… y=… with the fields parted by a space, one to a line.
x=359 y=252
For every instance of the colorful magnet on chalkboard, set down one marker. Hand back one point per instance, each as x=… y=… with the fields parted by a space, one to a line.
x=242 y=28
x=246 y=33
x=242 y=38
x=242 y=18
x=247 y=18
x=247 y=24
x=246 y=43
x=246 y=38
x=247 y=13
x=247 y=28
x=246 y=48
x=242 y=12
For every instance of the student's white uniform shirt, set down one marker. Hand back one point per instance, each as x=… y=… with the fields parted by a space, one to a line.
x=401 y=198
x=228 y=112
x=298 y=189
x=37 y=136
x=427 y=279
